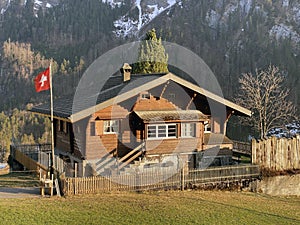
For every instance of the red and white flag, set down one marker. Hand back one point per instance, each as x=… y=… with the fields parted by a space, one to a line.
x=42 y=81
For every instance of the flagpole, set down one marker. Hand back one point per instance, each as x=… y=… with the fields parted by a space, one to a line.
x=52 y=126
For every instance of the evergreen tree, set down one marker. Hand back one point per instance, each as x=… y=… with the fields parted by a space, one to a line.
x=152 y=56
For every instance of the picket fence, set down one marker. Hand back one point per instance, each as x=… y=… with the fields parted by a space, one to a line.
x=179 y=179
x=277 y=154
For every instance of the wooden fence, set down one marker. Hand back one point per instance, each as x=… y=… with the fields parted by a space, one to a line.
x=277 y=154
x=159 y=180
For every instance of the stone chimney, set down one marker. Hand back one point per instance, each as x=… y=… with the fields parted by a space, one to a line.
x=126 y=72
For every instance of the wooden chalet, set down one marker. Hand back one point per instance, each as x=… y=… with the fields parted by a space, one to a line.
x=142 y=121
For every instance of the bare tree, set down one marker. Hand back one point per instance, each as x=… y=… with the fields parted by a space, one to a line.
x=265 y=95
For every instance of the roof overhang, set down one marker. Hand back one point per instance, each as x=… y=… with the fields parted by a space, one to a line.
x=147 y=86
x=120 y=98
x=210 y=95
x=171 y=116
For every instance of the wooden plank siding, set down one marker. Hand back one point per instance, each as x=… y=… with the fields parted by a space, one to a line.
x=169 y=146
x=153 y=103
x=62 y=138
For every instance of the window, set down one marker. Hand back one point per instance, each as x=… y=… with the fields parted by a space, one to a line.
x=111 y=126
x=145 y=96
x=188 y=130
x=63 y=126
x=171 y=97
x=60 y=125
x=93 y=129
x=160 y=131
x=207 y=127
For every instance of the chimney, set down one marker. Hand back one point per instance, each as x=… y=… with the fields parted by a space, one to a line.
x=126 y=71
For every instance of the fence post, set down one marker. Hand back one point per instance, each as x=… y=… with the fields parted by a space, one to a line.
x=182 y=178
x=137 y=180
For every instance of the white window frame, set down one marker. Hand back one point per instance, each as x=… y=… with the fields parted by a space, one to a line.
x=161 y=131
x=207 y=127
x=112 y=126
x=188 y=130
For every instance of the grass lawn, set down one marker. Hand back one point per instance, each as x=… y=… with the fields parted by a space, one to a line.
x=172 y=207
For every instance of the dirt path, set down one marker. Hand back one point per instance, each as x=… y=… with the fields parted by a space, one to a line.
x=22 y=192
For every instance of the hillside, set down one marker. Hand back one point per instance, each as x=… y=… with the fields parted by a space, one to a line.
x=231 y=36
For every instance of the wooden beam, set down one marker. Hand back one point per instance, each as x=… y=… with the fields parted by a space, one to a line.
x=190 y=102
x=164 y=89
x=120 y=98
x=209 y=94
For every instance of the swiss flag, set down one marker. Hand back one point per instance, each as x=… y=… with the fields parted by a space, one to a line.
x=42 y=81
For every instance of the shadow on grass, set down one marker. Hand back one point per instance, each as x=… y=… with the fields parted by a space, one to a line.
x=19 y=179
x=252 y=211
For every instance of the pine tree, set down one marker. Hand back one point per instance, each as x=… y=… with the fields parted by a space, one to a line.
x=152 y=56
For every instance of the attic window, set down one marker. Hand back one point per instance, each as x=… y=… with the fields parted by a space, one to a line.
x=207 y=127
x=145 y=95
x=171 y=96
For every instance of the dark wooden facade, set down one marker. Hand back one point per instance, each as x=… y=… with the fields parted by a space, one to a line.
x=86 y=138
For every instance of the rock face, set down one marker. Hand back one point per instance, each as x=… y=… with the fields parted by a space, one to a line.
x=279 y=185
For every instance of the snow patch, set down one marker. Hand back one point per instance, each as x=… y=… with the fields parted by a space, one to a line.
x=126 y=26
x=246 y=5
x=229 y=10
x=296 y=12
x=37 y=2
x=290 y=130
x=3 y=10
x=138 y=5
x=285 y=3
x=113 y=3
x=212 y=18
x=283 y=31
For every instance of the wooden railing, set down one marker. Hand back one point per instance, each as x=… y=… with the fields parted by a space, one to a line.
x=132 y=155
x=36 y=157
x=242 y=148
x=178 y=179
x=28 y=162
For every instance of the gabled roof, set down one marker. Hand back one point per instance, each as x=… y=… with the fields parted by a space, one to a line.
x=115 y=91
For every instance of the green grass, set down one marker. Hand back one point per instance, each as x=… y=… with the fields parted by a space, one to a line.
x=19 y=179
x=172 y=207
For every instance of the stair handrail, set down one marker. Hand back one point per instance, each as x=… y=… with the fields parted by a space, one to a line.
x=138 y=148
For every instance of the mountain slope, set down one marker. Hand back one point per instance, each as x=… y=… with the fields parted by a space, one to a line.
x=232 y=36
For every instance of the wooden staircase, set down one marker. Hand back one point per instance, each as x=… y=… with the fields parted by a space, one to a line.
x=131 y=156
x=110 y=164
